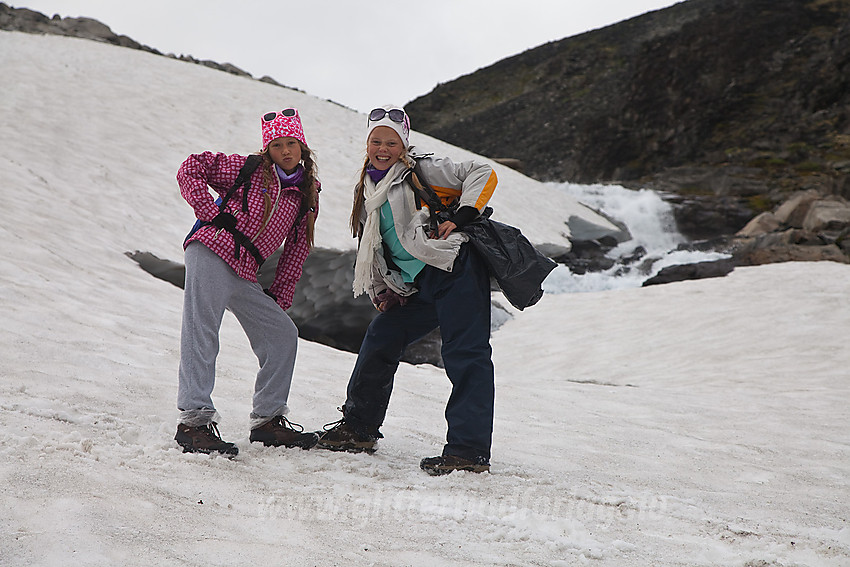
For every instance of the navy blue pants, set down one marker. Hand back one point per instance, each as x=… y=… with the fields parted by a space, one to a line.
x=459 y=303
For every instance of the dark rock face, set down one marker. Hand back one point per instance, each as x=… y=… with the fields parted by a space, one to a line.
x=324 y=308
x=741 y=99
x=701 y=217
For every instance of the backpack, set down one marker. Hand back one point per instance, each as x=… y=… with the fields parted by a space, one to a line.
x=244 y=178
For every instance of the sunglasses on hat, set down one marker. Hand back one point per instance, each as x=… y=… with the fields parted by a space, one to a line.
x=396 y=115
x=268 y=117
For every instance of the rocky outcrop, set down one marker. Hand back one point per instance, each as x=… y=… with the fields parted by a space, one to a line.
x=706 y=217
x=807 y=227
x=30 y=21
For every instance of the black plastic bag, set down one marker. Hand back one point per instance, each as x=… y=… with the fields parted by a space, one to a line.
x=516 y=265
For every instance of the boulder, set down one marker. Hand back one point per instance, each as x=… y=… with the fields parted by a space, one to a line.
x=583 y=230
x=762 y=224
x=793 y=211
x=704 y=217
x=806 y=228
x=696 y=271
x=827 y=215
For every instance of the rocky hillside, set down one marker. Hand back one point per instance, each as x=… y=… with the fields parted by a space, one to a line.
x=731 y=104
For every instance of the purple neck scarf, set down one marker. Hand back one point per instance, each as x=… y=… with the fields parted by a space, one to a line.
x=290 y=179
x=376 y=174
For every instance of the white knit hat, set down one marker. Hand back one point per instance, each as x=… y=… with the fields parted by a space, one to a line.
x=391 y=116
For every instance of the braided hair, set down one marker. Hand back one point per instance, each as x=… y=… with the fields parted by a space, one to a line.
x=309 y=185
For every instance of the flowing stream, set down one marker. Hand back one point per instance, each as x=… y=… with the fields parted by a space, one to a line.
x=650 y=221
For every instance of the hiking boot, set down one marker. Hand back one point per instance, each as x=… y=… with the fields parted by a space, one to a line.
x=280 y=432
x=203 y=439
x=342 y=436
x=437 y=466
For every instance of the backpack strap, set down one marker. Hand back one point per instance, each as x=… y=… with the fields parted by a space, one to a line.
x=428 y=195
x=242 y=178
x=243 y=241
x=437 y=209
x=302 y=210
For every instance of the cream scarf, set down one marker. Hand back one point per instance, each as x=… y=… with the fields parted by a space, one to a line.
x=370 y=241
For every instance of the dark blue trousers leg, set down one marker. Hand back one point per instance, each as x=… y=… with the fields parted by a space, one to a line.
x=459 y=303
x=463 y=311
x=371 y=381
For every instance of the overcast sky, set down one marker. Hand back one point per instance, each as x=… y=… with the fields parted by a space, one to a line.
x=359 y=54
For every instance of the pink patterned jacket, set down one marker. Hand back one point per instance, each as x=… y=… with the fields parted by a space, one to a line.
x=218 y=171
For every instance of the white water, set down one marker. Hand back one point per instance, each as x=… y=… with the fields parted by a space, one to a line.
x=649 y=220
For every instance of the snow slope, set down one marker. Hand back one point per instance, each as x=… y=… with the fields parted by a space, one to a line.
x=700 y=423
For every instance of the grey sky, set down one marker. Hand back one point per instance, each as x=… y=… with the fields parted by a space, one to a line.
x=359 y=54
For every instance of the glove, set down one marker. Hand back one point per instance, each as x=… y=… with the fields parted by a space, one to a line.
x=225 y=221
x=388 y=299
x=464 y=216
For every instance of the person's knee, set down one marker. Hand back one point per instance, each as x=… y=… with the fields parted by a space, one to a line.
x=280 y=331
x=380 y=335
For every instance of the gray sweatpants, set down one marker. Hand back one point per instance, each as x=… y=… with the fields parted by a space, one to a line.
x=211 y=287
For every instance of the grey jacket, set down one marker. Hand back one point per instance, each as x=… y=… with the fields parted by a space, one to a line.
x=472 y=183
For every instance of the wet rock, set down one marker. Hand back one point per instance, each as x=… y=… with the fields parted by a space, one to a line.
x=706 y=217
x=696 y=271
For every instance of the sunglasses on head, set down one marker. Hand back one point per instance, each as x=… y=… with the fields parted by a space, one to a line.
x=268 y=117
x=396 y=115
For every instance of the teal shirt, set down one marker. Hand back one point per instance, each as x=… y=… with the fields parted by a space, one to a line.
x=409 y=266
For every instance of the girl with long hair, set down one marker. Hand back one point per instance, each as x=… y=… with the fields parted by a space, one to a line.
x=419 y=277
x=277 y=206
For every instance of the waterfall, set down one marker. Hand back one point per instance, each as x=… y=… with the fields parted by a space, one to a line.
x=650 y=221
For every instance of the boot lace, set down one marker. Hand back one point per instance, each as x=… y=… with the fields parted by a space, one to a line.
x=213 y=430
x=335 y=424
x=282 y=421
